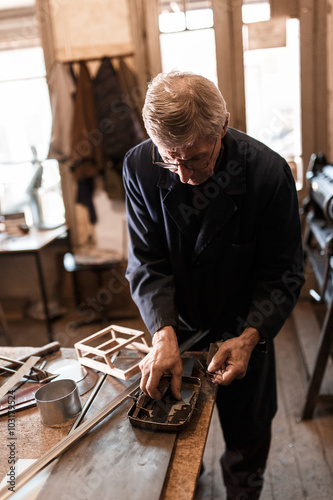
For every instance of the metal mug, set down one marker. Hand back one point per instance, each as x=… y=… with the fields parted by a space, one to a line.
x=58 y=402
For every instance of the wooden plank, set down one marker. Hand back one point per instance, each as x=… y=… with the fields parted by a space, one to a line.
x=267 y=34
x=210 y=484
x=315 y=345
x=283 y=472
x=309 y=477
x=187 y=441
x=308 y=328
x=284 y=8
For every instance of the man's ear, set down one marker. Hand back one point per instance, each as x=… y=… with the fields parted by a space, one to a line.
x=225 y=126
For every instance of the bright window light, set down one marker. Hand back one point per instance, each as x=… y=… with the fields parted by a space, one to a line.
x=172 y=22
x=199 y=19
x=256 y=12
x=272 y=91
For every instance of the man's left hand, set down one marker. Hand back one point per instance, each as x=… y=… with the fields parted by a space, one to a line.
x=231 y=360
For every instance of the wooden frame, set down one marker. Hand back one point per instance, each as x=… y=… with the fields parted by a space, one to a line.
x=99 y=356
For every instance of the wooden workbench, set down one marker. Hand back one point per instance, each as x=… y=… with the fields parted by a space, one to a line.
x=161 y=465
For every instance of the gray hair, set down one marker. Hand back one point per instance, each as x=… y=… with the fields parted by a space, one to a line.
x=182 y=107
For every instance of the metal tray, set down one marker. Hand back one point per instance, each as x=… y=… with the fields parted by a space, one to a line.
x=167 y=414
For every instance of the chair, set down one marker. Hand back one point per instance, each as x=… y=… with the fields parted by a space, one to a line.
x=99 y=263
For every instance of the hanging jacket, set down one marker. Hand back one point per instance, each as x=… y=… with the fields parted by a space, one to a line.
x=86 y=139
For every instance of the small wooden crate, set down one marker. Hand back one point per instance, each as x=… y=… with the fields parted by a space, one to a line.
x=98 y=356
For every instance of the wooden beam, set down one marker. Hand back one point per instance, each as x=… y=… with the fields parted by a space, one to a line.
x=329 y=95
x=151 y=12
x=288 y=8
x=229 y=58
x=312 y=15
x=44 y=19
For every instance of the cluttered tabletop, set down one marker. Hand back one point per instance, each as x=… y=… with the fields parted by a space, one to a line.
x=100 y=434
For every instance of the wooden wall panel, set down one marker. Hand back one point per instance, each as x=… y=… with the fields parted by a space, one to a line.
x=288 y=8
x=84 y=29
x=329 y=44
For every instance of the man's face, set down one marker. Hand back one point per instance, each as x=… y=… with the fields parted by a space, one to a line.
x=194 y=164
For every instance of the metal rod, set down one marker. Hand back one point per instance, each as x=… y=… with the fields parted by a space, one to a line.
x=71 y=438
x=20 y=363
x=85 y=427
x=88 y=403
x=18 y=375
x=192 y=340
x=40 y=351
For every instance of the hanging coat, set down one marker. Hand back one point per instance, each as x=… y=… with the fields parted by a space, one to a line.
x=118 y=125
x=86 y=141
x=62 y=88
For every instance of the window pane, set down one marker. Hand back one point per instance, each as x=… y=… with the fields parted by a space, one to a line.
x=190 y=51
x=22 y=63
x=272 y=90
x=25 y=117
x=25 y=125
x=256 y=11
x=169 y=23
x=20 y=192
x=181 y=15
x=198 y=19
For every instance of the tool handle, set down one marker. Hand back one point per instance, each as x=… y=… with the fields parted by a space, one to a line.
x=39 y=351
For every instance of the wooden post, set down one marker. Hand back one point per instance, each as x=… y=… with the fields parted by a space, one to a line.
x=229 y=58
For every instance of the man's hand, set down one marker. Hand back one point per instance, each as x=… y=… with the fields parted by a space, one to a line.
x=163 y=359
x=231 y=360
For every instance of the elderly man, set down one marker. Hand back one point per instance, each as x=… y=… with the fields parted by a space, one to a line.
x=215 y=244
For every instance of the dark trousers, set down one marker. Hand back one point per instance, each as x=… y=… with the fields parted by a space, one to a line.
x=243 y=468
x=246 y=408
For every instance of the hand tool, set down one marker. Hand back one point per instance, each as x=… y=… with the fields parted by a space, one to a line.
x=26 y=367
x=38 y=375
x=40 y=351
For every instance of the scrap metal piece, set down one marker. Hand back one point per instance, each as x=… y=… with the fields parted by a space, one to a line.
x=35 y=374
x=168 y=413
x=213 y=348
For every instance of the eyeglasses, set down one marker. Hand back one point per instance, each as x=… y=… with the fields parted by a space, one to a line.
x=192 y=165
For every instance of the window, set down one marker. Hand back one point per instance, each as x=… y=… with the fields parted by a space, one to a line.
x=272 y=84
x=254 y=11
x=25 y=122
x=187 y=37
x=25 y=119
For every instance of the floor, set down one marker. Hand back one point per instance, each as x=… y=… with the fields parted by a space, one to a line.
x=301 y=458
x=300 y=464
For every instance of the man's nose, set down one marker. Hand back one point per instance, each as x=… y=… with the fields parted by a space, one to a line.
x=184 y=173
